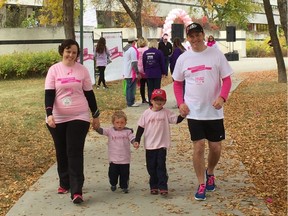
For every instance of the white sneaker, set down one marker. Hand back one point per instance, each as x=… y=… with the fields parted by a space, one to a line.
x=135 y=105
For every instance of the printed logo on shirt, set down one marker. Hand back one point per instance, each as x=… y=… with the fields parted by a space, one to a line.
x=197 y=80
x=67 y=101
x=199 y=68
x=68 y=80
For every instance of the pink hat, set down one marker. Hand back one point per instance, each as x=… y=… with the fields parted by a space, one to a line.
x=158 y=93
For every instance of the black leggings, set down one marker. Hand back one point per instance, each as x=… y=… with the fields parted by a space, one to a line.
x=101 y=75
x=69 y=139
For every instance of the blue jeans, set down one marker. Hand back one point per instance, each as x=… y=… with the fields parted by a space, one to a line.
x=130 y=91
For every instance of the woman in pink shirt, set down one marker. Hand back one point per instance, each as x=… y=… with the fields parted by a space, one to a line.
x=68 y=98
x=142 y=47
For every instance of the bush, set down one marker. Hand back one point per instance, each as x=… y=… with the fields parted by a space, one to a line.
x=262 y=48
x=27 y=65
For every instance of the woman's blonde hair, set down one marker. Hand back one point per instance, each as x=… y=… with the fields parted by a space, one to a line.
x=153 y=44
x=119 y=114
x=142 y=42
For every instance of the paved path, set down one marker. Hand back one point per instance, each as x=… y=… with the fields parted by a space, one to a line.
x=231 y=196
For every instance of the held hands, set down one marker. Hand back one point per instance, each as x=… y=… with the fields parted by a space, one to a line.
x=51 y=121
x=184 y=110
x=218 y=103
x=95 y=123
x=136 y=145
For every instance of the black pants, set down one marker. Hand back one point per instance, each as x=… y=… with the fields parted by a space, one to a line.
x=121 y=171
x=156 y=167
x=69 y=139
x=101 y=70
x=153 y=83
x=143 y=83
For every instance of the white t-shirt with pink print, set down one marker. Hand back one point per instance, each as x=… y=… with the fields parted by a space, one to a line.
x=69 y=82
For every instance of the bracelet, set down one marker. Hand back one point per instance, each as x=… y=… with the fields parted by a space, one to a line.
x=96 y=114
x=49 y=108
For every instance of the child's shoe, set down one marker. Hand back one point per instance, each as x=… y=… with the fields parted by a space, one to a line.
x=113 y=188
x=77 y=199
x=125 y=190
x=62 y=190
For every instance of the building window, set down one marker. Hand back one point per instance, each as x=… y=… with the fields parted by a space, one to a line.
x=262 y=28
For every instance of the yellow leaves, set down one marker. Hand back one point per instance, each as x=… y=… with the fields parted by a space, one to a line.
x=2 y=3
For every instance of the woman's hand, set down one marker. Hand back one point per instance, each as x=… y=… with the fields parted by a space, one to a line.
x=51 y=122
x=95 y=123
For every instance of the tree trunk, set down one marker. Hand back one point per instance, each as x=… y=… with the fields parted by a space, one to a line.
x=282 y=7
x=68 y=19
x=136 y=17
x=282 y=75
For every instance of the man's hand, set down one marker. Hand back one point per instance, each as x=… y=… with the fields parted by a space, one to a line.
x=184 y=109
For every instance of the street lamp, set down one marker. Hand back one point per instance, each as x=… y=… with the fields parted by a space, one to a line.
x=81 y=31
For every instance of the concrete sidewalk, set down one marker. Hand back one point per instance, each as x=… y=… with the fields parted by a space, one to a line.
x=229 y=198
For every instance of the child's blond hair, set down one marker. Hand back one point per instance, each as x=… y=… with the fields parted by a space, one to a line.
x=119 y=114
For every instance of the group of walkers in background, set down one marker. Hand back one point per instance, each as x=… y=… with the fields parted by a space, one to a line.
x=70 y=104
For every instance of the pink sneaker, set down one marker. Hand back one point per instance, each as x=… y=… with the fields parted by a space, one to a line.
x=62 y=190
x=77 y=199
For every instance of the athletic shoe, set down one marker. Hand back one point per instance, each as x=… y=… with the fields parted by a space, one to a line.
x=134 y=105
x=164 y=192
x=77 y=199
x=201 y=193
x=125 y=190
x=154 y=191
x=210 y=182
x=113 y=188
x=62 y=190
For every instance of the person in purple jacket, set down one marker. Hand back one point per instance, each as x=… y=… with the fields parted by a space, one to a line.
x=177 y=50
x=154 y=67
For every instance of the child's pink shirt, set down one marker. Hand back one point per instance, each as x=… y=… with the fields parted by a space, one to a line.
x=69 y=82
x=119 y=142
x=156 y=128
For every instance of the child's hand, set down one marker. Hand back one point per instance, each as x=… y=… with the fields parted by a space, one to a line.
x=136 y=145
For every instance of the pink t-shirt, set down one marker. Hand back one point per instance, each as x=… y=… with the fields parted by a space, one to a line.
x=119 y=145
x=141 y=50
x=69 y=82
x=156 y=127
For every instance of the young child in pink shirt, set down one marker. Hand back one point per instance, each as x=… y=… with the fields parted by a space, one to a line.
x=119 y=139
x=154 y=123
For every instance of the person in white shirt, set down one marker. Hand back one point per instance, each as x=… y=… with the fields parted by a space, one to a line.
x=130 y=71
x=206 y=73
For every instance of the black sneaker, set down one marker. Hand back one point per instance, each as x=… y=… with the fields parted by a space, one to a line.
x=113 y=188
x=125 y=190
